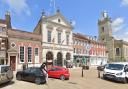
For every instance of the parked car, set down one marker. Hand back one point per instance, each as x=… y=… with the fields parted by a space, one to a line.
x=6 y=74
x=31 y=74
x=101 y=67
x=59 y=72
x=117 y=71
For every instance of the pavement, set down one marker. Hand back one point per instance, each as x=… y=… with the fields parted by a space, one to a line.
x=89 y=81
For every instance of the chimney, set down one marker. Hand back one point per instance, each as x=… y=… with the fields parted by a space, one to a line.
x=8 y=19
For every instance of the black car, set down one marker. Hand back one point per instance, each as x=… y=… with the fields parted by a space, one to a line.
x=32 y=74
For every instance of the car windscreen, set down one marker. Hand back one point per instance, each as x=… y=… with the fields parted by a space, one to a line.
x=4 y=69
x=115 y=66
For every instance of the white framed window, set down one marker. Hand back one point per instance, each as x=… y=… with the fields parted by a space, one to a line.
x=22 y=54
x=36 y=52
x=36 y=55
x=67 y=39
x=117 y=51
x=29 y=54
x=49 y=36
x=59 y=37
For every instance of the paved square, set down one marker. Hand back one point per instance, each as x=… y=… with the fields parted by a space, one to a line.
x=89 y=81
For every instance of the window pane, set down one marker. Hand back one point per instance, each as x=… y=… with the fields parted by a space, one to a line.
x=59 y=38
x=49 y=36
x=67 y=38
x=21 y=54
x=29 y=54
x=36 y=51
x=117 y=51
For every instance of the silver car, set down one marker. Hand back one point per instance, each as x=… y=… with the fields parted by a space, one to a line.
x=6 y=74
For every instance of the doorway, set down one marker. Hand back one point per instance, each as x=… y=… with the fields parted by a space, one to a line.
x=13 y=62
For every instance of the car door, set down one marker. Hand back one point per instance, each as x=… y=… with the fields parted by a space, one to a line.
x=58 y=72
x=52 y=72
x=55 y=72
x=32 y=74
x=26 y=74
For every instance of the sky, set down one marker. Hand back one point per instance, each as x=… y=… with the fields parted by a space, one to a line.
x=84 y=14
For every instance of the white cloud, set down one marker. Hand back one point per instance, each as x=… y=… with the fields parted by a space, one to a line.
x=118 y=24
x=124 y=2
x=18 y=6
x=120 y=29
x=126 y=33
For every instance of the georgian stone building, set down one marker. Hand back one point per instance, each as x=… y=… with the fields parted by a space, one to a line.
x=56 y=34
x=117 y=49
x=88 y=51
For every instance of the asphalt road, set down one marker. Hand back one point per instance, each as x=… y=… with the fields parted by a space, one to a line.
x=89 y=81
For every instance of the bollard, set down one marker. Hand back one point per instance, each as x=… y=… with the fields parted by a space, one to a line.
x=82 y=72
x=98 y=73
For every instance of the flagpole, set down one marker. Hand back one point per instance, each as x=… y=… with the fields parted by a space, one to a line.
x=54 y=6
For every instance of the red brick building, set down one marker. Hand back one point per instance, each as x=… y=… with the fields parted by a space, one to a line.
x=88 y=51
x=24 y=48
x=19 y=47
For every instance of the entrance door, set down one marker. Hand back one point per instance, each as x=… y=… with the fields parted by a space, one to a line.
x=13 y=62
x=59 y=59
x=49 y=59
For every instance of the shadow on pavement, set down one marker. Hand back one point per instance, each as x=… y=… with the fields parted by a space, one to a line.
x=6 y=84
x=113 y=81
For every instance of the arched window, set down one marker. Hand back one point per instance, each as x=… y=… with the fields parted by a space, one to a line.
x=117 y=51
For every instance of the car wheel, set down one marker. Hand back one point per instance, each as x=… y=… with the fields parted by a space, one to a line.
x=43 y=81
x=67 y=78
x=18 y=77
x=62 y=77
x=37 y=80
x=124 y=80
x=104 y=77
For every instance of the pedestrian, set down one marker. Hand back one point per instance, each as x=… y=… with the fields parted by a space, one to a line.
x=44 y=69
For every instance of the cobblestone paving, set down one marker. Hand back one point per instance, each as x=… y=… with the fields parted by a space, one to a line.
x=89 y=81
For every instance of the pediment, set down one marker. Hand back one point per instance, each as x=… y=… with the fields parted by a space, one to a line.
x=59 y=19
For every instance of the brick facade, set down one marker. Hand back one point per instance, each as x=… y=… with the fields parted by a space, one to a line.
x=89 y=51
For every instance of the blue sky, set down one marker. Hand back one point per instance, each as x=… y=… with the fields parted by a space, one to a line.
x=84 y=13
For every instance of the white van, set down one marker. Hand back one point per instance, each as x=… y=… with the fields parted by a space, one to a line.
x=117 y=71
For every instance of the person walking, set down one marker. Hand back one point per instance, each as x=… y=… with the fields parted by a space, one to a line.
x=44 y=69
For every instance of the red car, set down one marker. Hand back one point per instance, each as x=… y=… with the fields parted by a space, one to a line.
x=58 y=72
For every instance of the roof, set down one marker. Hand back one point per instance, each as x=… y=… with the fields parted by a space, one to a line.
x=84 y=37
x=48 y=19
x=23 y=35
x=80 y=36
x=2 y=21
x=124 y=63
x=121 y=42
